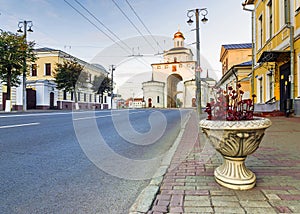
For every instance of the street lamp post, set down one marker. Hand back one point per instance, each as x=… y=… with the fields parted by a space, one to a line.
x=190 y=14
x=253 y=43
x=24 y=24
x=112 y=86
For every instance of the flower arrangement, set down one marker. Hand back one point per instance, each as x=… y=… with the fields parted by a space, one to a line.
x=230 y=105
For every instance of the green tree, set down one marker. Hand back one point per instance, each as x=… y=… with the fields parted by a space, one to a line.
x=102 y=84
x=70 y=76
x=14 y=50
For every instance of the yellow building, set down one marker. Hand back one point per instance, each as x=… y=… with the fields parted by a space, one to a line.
x=276 y=35
x=233 y=54
x=41 y=91
x=236 y=66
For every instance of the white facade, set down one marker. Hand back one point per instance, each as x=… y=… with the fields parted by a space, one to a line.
x=154 y=94
x=178 y=67
x=189 y=94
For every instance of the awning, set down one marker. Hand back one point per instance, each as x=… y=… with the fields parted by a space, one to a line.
x=274 y=56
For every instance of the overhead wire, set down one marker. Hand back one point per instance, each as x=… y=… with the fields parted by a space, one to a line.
x=112 y=39
x=85 y=17
x=109 y=30
x=131 y=22
x=139 y=18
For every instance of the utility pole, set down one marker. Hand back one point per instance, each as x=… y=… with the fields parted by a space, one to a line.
x=113 y=67
x=24 y=24
x=198 y=67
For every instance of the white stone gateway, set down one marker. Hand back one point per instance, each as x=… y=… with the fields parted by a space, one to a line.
x=173 y=80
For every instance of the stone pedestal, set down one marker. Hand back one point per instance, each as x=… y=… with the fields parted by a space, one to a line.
x=234 y=140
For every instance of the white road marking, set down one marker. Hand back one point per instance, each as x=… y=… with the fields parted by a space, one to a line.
x=18 y=125
x=86 y=118
x=61 y=113
x=108 y=115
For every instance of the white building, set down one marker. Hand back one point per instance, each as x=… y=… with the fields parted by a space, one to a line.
x=173 y=80
x=41 y=91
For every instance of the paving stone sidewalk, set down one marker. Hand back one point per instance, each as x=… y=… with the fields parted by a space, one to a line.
x=189 y=185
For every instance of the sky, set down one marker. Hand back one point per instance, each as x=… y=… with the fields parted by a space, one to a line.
x=99 y=31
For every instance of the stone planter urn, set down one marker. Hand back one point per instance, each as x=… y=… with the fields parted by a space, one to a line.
x=234 y=140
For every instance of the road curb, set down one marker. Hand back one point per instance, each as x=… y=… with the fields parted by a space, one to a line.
x=145 y=200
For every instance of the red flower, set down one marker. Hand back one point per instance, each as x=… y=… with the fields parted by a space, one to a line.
x=230 y=106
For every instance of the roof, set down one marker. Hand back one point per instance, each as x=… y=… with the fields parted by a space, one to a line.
x=178 y=49
x=208 y=79
x=248 y=63
x=45 y=49
x=178 y=35
x=95 y=65
x=238 y=46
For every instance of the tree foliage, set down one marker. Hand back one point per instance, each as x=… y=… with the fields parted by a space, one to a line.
x=70 y=76
x=14 y=50
x=101 y=84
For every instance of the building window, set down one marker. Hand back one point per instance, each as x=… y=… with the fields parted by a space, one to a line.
x=72 y=95
x=271 y=87
x=260 y=89
x=157 y=99
x=84 y=97
x=78 y=96
x=65 y=95
x=48 y=69
x=90 y=77
x=33 y=70
x=158 y=67
x=180 y=65
x=166 y=66
x=270 y=82
x=260 y=31
x=90 y=98
x=298 y=63
x=105 y=99
x=270 y=17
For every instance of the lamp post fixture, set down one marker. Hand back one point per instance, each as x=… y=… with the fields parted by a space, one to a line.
x=190 y=14
x=24 y=24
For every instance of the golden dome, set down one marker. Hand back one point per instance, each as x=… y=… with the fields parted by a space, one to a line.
x=178 y=34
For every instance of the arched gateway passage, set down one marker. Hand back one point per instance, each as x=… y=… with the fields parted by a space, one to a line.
x=172 y=89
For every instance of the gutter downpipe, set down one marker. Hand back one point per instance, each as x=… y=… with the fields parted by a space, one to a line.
x=253 y=44
x=292 y=49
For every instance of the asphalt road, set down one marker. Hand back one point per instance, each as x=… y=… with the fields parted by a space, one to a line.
x=83 y=162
